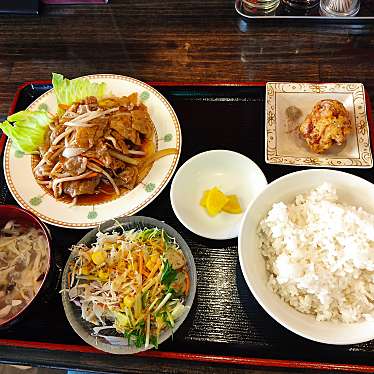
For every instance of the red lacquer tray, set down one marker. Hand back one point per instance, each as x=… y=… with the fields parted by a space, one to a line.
x=226 y=327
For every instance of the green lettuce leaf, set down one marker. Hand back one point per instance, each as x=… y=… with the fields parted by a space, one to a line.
x=27 y=129
x=69 y=91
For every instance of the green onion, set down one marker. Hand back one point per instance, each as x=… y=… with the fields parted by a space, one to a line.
x=168 y=275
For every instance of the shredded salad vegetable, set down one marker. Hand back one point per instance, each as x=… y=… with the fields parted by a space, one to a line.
x=134 y=282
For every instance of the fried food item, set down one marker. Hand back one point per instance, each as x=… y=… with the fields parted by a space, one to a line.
x=327 y=124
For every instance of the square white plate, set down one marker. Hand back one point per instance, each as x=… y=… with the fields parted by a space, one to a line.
x=284 y=145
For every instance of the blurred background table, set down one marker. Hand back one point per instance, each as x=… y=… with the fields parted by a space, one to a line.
x=175 y=40
x=179 y=41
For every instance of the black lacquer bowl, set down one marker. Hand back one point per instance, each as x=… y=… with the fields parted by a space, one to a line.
x=27 y=219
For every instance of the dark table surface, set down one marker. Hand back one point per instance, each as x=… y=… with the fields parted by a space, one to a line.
x=180 y=41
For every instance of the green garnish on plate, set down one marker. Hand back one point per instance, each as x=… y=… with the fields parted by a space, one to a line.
x=27 y=129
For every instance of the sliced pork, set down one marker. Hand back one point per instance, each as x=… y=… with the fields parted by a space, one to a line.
x=94 y=142
x=81 y=187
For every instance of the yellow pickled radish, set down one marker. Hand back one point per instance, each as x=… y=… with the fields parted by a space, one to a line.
x=233 y=205
x=204 y=198
x=98 y=257
x=215 y=201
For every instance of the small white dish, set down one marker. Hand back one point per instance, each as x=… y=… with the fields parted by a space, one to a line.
x=284 y=145
x=351 y=190
x=232 y=173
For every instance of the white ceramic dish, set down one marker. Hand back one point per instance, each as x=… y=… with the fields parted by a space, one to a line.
x=283 y=144
x=351 y=190
x=230 y=171
x=30 y=195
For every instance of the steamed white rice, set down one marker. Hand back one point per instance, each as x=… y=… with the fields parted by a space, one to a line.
x=320 y=256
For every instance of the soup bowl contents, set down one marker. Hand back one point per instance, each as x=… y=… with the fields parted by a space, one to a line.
x=306 y=253
x=132 y=285
x=24 y=261
x=319 y=254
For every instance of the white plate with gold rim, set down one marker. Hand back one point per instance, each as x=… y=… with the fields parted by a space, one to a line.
x=283 y=145
x=31 y=196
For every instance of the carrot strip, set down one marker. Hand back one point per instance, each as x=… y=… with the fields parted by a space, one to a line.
x=145 y=273
x=92 y=175
x=97 y=161
x=69 y=278
x=187 y=283
x=63 y=106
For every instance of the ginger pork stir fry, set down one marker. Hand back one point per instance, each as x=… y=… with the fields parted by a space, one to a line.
x=96 y=146
x=23 y=264
x=134 y=282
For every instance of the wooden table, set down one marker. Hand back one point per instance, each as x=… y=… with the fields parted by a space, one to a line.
x=176 y=40
x=180 y=41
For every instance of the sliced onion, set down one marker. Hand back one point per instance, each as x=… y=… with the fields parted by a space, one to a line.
x=97 y=329
x=62 y=136
x=98 y=169
x=73 y=151
x=83 y=119
x=114 y=340
x=157 y=155
x=139 y=153
x=5 y=311
x=87 y=174
x=16 y=302
x=124 y=158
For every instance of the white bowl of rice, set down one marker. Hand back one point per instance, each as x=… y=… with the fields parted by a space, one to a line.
x=306 y=250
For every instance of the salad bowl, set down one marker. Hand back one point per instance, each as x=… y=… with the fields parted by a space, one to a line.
x=106 y=339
